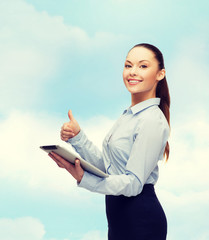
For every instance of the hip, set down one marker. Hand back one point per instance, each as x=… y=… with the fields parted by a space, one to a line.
x=137 y=217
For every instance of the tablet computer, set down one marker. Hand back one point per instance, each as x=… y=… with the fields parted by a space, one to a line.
x=71 y=156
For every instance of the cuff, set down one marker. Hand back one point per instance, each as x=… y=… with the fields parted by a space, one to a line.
x=76 y=139
x=89 y=181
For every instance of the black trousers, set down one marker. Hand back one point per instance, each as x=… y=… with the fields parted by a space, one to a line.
x=136 y=218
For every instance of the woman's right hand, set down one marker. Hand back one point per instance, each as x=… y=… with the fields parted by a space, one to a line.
x=69 y=129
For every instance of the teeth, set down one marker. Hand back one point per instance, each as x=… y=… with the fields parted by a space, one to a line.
x=132 y=81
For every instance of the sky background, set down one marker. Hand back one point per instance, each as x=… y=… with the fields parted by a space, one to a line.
x=69 y=54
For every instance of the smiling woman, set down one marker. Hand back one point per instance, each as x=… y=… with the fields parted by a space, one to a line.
x=131 y=151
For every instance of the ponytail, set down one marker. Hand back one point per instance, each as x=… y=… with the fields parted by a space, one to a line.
x=162 y=92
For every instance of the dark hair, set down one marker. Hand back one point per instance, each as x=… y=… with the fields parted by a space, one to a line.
x=162 y=90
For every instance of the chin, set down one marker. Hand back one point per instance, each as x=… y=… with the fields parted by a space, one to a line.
x=135 y=91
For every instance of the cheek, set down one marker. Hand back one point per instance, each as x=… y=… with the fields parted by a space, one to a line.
x=124 y=73
x=151 y=76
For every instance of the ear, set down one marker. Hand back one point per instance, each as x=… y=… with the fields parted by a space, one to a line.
x=161 y=75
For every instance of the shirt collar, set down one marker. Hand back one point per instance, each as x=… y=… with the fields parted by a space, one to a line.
x=143 y=105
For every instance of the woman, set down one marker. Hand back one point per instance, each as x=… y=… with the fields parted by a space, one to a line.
x=131 y=151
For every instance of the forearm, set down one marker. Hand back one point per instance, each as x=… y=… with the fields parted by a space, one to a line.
x=87 y=150
x=124 y=184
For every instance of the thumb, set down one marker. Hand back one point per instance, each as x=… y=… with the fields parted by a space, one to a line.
x=77 y=164
x=70 y=115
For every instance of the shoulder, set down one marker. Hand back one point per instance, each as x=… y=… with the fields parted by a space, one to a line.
x=153 y=119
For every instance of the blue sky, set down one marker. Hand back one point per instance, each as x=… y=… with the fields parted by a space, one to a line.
x=60 y=55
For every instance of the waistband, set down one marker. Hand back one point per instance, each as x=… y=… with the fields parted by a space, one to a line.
x=148 y=190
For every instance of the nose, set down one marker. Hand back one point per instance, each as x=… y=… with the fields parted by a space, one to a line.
x=133 y=71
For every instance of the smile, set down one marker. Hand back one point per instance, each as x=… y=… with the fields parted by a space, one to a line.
x=134 y=81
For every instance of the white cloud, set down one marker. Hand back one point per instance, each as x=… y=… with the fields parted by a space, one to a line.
x=187 y=167
x=33 y=46
x=183 y=184
x=185 y=212
x=96 y=128
x=94 y=235
x=26 y=228
x=23 y=162
x=21 y=229
x=188 y=73
x=21 y=158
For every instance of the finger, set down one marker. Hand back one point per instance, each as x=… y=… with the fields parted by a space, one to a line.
x=66 y=129
x=70 y=115
x=77 y=164
x=64 y=139
x=78 y=170
x=57 y=156
x=67 y=134
x=61 y=160
x=57 y=162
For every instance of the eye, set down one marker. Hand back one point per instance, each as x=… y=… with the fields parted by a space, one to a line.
x=143 y=66
x=127 y=66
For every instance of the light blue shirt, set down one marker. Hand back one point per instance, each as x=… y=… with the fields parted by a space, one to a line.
x=131 y=151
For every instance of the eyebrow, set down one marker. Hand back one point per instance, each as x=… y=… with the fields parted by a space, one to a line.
x=139 y=61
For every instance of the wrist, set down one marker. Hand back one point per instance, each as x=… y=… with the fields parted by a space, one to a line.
x=77 y=132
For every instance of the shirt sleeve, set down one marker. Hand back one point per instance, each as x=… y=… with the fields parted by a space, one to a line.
x=87 y=150
x=124 y=184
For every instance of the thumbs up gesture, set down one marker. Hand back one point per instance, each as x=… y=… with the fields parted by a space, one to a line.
x=69 y=129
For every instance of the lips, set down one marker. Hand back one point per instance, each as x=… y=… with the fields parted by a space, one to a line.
x=134 y=81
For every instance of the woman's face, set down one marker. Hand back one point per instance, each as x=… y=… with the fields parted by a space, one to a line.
x=141 y=72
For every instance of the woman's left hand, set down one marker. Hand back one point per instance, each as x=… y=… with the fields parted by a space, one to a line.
x=75 y=170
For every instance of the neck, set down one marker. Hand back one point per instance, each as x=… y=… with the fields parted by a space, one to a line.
x=140 y=97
